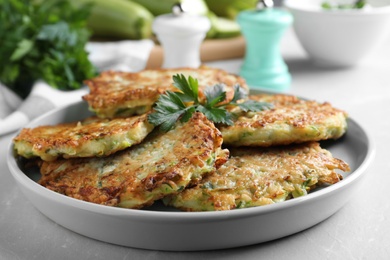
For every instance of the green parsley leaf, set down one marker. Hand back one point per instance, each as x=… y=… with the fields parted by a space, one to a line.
x=248 y=105
x=169 y=109
x=216 y=114
x=23 y=47
x=239 y=94
x=189 y=88
x=170 y=102
x=171 y=106
x=255 y=106
x=164 y=120
x=214 y=95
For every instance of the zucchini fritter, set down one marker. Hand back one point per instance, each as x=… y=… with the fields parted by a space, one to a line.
x=292 y=120
x=90 y=137
x=164 y=163
x=261 y=176
x=120 y=94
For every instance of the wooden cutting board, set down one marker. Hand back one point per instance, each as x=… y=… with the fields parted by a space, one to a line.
x=210 y=50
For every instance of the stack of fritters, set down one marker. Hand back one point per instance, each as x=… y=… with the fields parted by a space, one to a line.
x=164 y=163
x=274 y=154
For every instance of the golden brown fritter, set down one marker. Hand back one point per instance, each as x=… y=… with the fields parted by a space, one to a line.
x=119 y=94
x=164 y=163
x=292 y=120
x=91 y=137
x=260 y=176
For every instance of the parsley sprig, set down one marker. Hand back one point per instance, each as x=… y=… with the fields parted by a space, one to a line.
x=43 y=40
x=173 y=106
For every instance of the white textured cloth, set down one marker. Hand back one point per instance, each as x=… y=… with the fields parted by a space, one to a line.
x=121 y=55
x=130 y=56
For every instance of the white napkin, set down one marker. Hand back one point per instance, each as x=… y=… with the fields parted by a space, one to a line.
x=130 y=56
x=122 y=55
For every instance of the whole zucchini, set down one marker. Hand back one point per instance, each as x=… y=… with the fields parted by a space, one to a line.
x=118 y=19
x=158 y=7
x=230 y=8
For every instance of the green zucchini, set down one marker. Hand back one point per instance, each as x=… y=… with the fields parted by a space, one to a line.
x=230 y=8
x=122 y=19
x=159 y=7
x=222 y=27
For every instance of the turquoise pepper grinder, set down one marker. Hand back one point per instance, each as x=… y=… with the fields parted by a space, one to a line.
x=263 y=28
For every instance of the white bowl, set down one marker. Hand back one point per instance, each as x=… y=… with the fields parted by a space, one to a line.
x=340 y=38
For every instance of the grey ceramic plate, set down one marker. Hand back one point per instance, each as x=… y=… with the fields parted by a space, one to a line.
x=163 y=228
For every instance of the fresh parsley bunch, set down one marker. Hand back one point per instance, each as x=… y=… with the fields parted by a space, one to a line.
x=43 y=40
x=172 y=106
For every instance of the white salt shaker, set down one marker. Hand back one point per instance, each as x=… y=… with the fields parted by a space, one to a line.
x=181 y=34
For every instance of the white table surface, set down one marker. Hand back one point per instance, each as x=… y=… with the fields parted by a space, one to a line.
x=360 y=230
